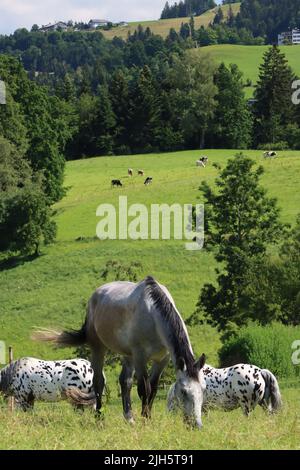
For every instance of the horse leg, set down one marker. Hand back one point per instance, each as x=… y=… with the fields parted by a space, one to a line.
x=156 y=371
x=144 y=387
x=25 y=402
x=99 y=378
x=126 y=381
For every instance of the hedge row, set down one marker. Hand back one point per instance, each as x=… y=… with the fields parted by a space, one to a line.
x=271 y=347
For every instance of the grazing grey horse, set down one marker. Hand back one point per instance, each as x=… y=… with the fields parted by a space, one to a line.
x=141 y=323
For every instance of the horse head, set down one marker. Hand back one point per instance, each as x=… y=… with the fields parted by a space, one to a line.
x=188 y=390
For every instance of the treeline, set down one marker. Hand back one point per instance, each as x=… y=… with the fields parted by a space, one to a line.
x=186 y=8
x=34 y=130
x=257 y=22
x=268 y=18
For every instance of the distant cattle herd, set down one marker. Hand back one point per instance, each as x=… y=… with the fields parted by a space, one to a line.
x=201 y=163
x=116 y=183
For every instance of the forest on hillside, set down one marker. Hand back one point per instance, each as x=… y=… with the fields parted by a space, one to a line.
x=259 y=18
x=186 y=8
x=73 y=95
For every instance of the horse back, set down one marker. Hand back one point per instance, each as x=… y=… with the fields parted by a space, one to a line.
x=121 y=317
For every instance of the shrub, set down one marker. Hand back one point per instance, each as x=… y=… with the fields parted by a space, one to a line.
x=277 y=146
x=268 y=347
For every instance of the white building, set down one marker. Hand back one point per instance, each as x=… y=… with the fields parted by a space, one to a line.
x=289 y=37
x=54 y=27
x=93 y=24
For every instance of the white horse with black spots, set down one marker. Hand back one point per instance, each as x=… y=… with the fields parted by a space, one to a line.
x=243 y=385
x=29 y=380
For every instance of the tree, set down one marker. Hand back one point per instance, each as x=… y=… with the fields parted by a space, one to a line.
x=241 y=221
x=273 y=109
x=25 y=216
x=232 y=122
x=194 y=91
x=273 y=290
x=144 y=123
x=119 y=95
x=219 y=16
x=104 y=125
x=25 y=221
x=15 y=170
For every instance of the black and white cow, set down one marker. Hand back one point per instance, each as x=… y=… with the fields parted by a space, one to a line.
x=270 y=154
x=148 y=181
x=117 y=183
x=241 y=386
x=29 y=380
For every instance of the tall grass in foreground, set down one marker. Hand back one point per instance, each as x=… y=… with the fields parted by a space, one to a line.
x=57 y=426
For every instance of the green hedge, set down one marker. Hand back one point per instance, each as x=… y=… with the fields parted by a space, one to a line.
x=268 y=347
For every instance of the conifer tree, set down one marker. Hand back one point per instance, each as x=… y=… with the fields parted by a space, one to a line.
x=273 y=109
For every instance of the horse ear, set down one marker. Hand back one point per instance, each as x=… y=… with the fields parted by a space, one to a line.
x=181 y=364
x=201 y=362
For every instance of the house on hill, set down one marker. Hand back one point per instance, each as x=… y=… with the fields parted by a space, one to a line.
x=289 y=37
x=93 y=24
x=54 y=27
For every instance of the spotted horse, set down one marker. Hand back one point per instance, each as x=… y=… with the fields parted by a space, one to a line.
x=29 y=380
x=241 y=386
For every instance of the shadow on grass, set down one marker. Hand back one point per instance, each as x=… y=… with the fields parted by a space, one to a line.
x=13 y=262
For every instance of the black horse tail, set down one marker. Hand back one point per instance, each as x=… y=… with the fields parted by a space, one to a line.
x=62 y=339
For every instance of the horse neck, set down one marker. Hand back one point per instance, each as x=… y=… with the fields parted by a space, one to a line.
x=171 y=326
x=177 y=338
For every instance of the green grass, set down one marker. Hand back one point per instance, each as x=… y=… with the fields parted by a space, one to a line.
x=59 y=427
x=52 y=291
x=162 y=27
x=248 y=58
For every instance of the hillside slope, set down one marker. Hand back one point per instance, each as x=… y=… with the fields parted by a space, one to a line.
x=248 y=58
x=162 y=27
x=52 y=290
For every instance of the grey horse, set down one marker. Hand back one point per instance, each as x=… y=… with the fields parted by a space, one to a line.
x=141 y=323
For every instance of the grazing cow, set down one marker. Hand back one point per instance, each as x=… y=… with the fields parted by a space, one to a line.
x=270 y=154
x=117 y=183
x=141 y=172
x=243 y=385
x=148 y=181
x=130 y=172
x=202 y=161
x=29 y=380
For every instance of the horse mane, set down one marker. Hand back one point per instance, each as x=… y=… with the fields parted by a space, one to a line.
x=176 y=333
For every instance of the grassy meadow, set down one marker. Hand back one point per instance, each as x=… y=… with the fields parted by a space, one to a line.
x=249 y=58
x=162 y=27
x=58 y=427
x=52 y=291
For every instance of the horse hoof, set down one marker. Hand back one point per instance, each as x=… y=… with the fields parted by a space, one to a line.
x=129 y=419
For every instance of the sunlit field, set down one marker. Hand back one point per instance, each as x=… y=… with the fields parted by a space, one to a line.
x=52 y=291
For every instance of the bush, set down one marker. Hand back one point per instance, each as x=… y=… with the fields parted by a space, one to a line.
x=267 y=347
x=278 y=146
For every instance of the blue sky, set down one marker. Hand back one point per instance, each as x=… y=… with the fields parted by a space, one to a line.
x=24 y=13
